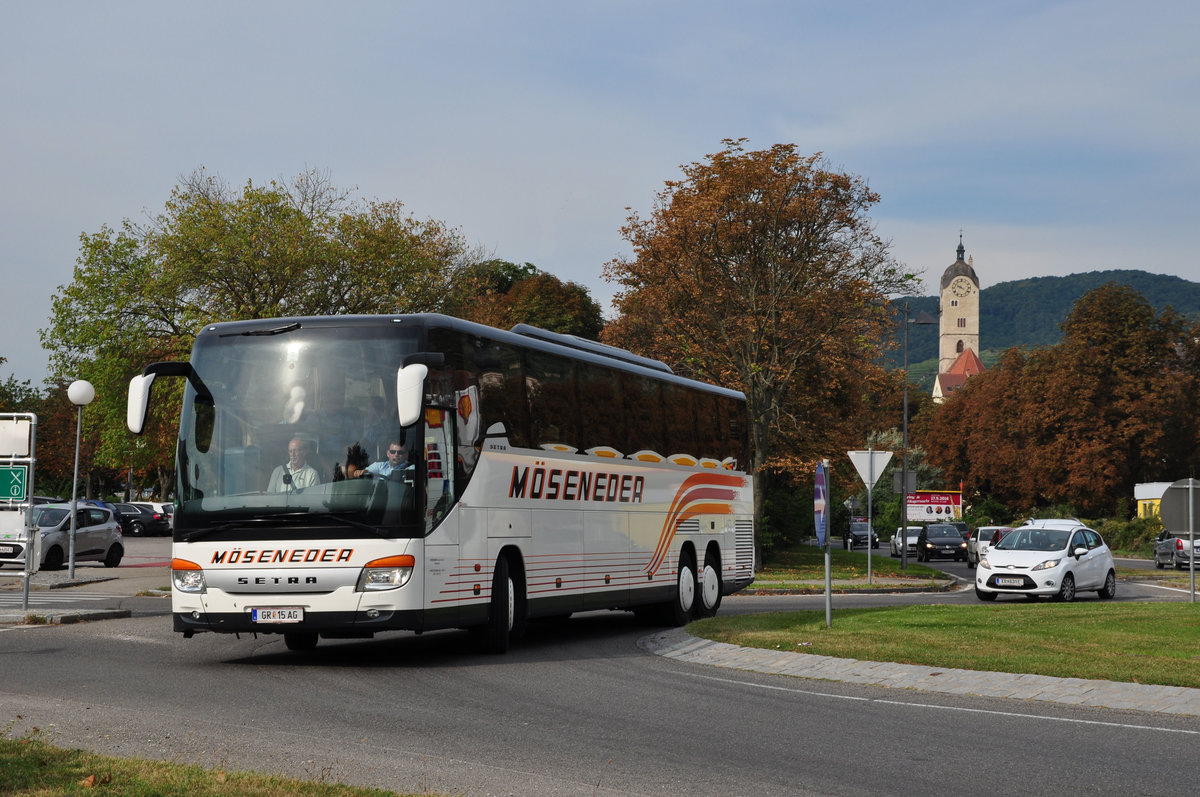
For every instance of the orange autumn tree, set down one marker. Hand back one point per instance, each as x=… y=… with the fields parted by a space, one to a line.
x=1083 y=421
x=760 y=270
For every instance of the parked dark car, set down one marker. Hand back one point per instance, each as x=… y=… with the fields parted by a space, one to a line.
x=962 y=527
x=941 y=540
x=857 y=534
x=139 y=520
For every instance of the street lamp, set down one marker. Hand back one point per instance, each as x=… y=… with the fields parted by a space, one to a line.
x=80 y=393
x=923 y=318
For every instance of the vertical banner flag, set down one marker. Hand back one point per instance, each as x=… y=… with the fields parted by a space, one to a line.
x=820 y=504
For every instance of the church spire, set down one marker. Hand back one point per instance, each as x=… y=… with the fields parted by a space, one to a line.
x=961 y=249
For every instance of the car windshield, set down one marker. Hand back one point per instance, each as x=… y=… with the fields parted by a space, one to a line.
x=942 y=531
x=49 y=517
x=1034 y=539
x=986 y=534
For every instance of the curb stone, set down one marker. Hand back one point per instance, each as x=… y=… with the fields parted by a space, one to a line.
x=678 y=644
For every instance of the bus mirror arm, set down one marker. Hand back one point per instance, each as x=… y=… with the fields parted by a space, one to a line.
x=139 y=390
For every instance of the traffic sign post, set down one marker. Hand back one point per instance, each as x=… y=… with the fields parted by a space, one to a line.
x=1179 y=511
x=870 y=465
x=18 y=435
x=820 y=520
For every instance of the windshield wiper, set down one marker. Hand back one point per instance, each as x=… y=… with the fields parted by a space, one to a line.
x=271 y=520
x=286 y=519
x=265 y=332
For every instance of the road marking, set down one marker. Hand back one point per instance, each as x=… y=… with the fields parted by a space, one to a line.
x=1014 y=714
x=47 y=598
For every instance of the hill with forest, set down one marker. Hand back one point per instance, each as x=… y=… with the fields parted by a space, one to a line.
x=1030 y=312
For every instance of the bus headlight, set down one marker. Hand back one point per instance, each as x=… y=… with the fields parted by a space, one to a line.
x=391 y=572
x=187 y=576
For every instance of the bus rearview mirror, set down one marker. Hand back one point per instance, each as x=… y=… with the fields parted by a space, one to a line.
x=410 y=391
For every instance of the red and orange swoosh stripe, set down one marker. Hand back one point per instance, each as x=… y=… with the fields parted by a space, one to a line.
x=700 y=494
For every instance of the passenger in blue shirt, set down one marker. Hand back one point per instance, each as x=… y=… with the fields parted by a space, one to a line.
x=397 y=460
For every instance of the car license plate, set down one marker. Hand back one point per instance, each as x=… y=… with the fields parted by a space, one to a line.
x=7 y=549
x=1009 y=582
x=278 y=614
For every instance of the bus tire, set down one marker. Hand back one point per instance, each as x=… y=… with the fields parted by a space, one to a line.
x=709 y=598
x=300 y=640
x=678 y=610
x=494 y=636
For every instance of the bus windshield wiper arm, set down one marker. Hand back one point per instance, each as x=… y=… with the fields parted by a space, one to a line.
x=270 y=520
x=272 y=331
x=287 y=519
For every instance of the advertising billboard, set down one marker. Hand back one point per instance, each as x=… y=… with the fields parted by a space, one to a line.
x=932 y=506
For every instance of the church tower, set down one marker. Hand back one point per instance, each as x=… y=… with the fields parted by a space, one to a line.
x=959 y=329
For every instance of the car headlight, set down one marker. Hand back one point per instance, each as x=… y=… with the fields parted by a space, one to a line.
x=1049 y=564
x=983 y=562
x=187 y=576
x=391 y=572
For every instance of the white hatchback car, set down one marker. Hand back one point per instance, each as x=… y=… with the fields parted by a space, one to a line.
x=1058 y=558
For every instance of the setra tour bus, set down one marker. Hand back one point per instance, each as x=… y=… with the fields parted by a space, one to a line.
x=343 y=476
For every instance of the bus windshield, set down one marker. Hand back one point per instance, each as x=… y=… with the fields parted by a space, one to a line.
x=298 y=430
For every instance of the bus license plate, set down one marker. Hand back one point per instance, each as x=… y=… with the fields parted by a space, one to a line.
x=1009 y=582
x=278 y=614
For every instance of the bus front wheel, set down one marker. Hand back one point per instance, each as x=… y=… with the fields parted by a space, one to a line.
x=495 y=635
x=300 y=640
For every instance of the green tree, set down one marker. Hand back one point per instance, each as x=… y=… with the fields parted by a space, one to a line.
x=760 y=270
x=501 y=294
x=18 y=395
x=140 y=293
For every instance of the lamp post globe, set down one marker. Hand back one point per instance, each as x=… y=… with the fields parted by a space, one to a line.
x=81 y=392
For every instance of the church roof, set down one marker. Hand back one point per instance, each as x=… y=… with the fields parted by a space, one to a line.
x=964 y=366
x=959 y=268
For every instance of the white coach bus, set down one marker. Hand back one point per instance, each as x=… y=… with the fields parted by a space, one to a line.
x=509 y=476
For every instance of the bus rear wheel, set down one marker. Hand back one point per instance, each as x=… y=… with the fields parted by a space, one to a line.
x=678 y=610
x=710 y=586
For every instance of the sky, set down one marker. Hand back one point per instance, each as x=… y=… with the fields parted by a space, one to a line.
x=1057 y=137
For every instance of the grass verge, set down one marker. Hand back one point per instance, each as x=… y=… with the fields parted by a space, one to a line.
x=1148 y=643
x=31 y=766
x=808 y=564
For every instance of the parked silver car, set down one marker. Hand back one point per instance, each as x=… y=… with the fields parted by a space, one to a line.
x=1057 y=558
x=1173 y=549
x=97 y=536
x=980 y=539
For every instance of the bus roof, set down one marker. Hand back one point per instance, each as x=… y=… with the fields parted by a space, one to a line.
x=523 y=335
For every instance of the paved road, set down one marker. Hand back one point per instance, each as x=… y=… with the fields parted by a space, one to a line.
x=598 y=705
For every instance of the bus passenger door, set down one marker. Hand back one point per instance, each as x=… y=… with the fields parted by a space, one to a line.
x=445 y=574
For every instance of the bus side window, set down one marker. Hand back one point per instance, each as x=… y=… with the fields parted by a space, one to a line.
x=601 y=419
